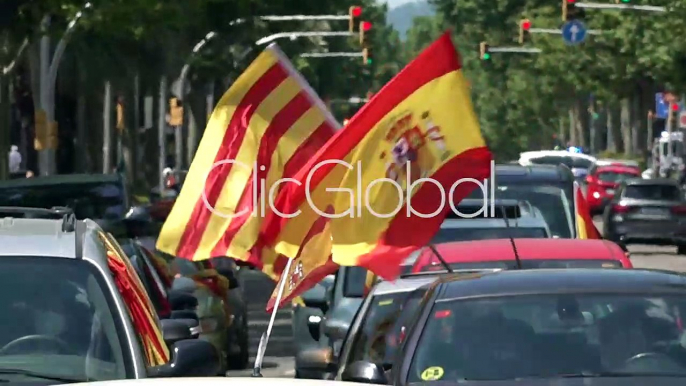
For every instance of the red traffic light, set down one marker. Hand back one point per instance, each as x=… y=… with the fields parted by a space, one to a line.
x=366 y=26
x=526 y=24
x=356 y=11
x=571 y=1
x=675 y=107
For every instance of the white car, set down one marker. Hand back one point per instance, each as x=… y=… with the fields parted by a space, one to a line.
x=579 y=163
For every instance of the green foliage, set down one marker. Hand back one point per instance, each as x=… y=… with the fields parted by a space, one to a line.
x=523 y=99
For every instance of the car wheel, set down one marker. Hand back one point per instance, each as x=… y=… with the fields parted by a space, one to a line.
x=681 y=249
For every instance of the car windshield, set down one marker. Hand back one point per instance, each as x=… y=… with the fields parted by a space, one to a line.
x=435 y=265
x=554 y=201
x=653 y=192
x=552 y=160
x=59 y=321
x=88 y=200
x=677 y=148
x=551 y=335
x=369 y=343
x=616 y=177
x=581 y=163
x=468 y=234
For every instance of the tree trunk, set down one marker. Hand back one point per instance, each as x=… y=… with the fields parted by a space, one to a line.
x=625 y=122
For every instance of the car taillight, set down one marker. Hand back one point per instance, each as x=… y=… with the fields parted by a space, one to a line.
x=621 y=208
x=679 y=209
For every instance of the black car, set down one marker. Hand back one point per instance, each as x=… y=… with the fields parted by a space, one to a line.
x=570 y=327
x=548 y=188
x=651 y=211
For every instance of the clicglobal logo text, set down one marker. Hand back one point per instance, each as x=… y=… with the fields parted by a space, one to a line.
x=362 y=193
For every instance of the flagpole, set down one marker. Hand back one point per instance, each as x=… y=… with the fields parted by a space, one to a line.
x=577 y=189
x=262 y=348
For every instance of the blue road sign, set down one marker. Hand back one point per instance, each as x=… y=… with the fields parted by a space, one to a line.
x=573 y=32
x=661 y=107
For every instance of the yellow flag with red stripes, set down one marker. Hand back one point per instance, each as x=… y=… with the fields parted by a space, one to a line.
x=264 y=129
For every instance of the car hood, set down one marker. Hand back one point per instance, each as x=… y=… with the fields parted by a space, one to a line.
x=618 y=381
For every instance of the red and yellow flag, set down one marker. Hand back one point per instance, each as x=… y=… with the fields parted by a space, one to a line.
x=420 y=125
x=266 y=126
x=585 y=229
x=310 y=266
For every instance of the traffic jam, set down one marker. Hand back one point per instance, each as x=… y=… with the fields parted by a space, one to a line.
x=509 y=282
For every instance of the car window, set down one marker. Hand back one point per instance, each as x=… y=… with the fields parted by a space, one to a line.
x=581 y=163
x=553 y=200
x=397 y=334
x=510 y=337
x=355 y=282
x=370 y=342
x=184 y=267
x=616 y=177
x=141 y=310
x=59 y=319
x=88 y=200
x=551 y=160
x=468 y=234
x=653 y=192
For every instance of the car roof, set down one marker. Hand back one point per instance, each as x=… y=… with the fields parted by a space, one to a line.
x=558 y=153
x=61 y=179
x=539 y=281
x=527 y=249
x=406 y=284
x=526 y=221
x=508 y=173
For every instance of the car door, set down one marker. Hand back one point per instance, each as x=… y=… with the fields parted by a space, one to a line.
x=140 y=308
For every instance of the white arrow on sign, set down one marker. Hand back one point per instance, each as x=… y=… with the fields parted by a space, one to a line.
x=574 y=30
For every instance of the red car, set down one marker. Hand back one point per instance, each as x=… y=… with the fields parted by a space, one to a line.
x=533 y=253
x=602 y=182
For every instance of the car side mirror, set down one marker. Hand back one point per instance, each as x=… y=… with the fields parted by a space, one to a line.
x=193 y=326
x=175 y=330
x=230 y=275
x=316 y=359
x=184 y=314
x=335 y=329
x=189 y=358
x=365 y=372
x=314 y=326
x=315 y=297
x=180 y=300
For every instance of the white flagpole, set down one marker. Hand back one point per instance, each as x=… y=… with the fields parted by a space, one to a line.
x=262 y=348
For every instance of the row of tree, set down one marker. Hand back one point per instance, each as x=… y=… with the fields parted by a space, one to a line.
x=132 y=44
x=597 y=94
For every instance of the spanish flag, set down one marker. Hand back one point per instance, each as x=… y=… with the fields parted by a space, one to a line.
x=264 y=129
x=585 y=229
x=392 y=172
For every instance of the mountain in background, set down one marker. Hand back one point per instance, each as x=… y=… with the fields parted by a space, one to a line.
x=401 y=16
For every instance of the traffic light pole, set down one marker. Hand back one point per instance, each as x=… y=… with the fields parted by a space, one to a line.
x=649 y=8
x=331 y=54
x=301 y=34
x=517 y=50
x=553 y=31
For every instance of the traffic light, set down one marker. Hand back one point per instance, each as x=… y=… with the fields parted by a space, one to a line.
x=365 y=26
x=524 y=27
x=484 y=50
x=571 y=12
x=366 y=57
x=354 y=12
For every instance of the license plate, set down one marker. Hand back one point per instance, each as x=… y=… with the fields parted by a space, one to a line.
x=655 y=211
x=610 y=191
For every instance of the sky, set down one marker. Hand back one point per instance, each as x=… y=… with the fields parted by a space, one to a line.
x=395 y=3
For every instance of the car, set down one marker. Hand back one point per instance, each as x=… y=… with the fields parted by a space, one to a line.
x=532 y=253
x=616 y=162
x=548 y=188
x=75 y=311
x=235 y=381
x=338 y=304
x=602 y=182
x=541 y=327
x=647 y=212
x=579 y=163
x=366 y=338
x=501 y=219
x=99 y=197
x=223 y=319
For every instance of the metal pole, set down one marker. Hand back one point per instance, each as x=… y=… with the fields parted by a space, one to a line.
x=178 y=142
x=107 y=129
x=135 y=138
x=669 y=132
x=44 y=160
x=300 y=34
x=161 y=133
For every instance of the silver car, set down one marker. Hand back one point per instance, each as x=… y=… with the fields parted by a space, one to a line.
x=73 y=308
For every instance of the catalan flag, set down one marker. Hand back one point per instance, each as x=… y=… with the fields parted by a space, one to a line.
x=264 y=129
x=420 y=125
x=585 y=229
